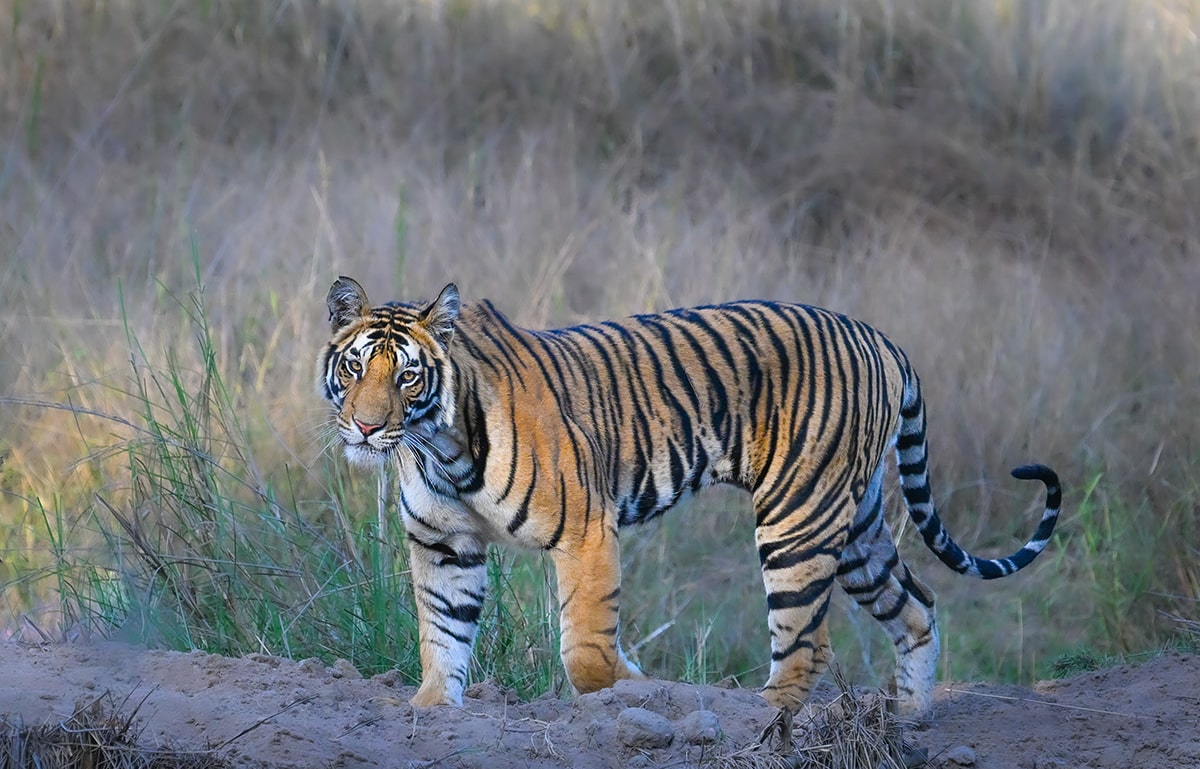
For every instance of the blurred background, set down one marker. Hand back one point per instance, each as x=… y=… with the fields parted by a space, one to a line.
x=1009 y=188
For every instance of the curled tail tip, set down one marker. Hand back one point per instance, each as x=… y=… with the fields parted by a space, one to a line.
x=1037 y=473
x=1053 y=488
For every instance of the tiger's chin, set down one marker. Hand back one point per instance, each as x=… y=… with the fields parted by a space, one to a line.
x=365 y=456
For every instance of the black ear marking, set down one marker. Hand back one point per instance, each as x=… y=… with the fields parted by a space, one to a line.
x=347 y=302
x=439 y=317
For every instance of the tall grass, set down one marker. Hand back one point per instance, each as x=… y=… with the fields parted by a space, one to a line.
x=1006 y=187
x=200 y=550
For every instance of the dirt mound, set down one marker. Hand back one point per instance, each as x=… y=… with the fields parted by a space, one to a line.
x=270 y=712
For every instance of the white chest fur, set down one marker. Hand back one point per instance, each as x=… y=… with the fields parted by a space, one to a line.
x=438 y=517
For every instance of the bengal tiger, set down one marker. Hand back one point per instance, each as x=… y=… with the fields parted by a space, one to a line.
x=557 y=439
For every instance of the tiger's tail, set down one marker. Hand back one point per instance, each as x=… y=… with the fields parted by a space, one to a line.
x=912 y=458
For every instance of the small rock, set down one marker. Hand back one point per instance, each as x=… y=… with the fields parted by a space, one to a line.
x=1186 y=751
x=915 y=756
x=700 y=727
x=546 y=708
x=647 y=693
x=491 y=692
x=343 y=669
x=390 y=678
x=312 y=666
x=604 y=696
x=960 y=756
x=641 y=728
x=264 y=659
x=1046 y=762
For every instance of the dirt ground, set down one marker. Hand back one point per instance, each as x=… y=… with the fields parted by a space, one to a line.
x=301 y=714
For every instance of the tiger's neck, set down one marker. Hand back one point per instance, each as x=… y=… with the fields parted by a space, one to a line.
x=455 y=435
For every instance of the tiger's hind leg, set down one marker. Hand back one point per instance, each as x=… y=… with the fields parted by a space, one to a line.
x=798 y=562
x=871 y=572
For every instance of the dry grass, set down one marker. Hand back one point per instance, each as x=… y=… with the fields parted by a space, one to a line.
x=100 y=734
x=1006 y=187
x=852 y=731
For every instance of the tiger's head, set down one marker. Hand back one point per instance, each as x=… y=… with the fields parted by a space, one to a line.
x=387 y=371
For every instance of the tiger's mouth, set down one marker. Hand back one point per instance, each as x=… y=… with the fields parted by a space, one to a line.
x=365 y=455
x=369 y=451
x=376 y=448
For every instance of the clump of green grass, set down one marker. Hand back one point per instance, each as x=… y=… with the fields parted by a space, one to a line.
x=1189 y=639
x=1081 y=661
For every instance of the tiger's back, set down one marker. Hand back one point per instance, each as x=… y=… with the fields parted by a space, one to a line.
x=657 y=405
x=554 y=439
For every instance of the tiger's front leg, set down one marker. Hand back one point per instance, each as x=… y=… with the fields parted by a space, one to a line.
x=589 y=595
x=449 y=580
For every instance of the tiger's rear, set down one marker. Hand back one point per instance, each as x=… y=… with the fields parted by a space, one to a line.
x=554 y=439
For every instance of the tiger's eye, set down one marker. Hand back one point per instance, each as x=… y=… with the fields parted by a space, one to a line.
x=408 y=376
x=353 y=366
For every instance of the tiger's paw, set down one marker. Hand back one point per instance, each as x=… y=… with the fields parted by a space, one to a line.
x=626 y=668
x=911 y=702
x=434 y=696
x=790 y=699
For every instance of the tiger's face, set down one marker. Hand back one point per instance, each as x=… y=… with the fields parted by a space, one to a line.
x=386 y=371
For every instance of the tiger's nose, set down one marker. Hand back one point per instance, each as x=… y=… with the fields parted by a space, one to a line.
x=367 y=429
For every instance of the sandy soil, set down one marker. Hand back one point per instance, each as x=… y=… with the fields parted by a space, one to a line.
x=308 y=714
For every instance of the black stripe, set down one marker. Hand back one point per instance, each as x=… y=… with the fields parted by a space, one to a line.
x=451 y=556
x=477 y=441
x=877 y=580
x=853 y=564
x=791 y=558
x=868 y=522
x=499 y=342
x=476 y=353
x=917 y=495
x=462 y=612
x=523 y=509
x=556 y=537
x=909 y=440
x=804 y=635
x=794 y=599
x=460 y=637
x=514 y=456
x=892 y=613
x=915 y=590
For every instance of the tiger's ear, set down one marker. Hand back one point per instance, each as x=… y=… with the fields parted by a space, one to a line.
x=439 y=317
x=347 y=302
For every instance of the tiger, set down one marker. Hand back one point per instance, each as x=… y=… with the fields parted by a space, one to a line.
x=555 y=440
